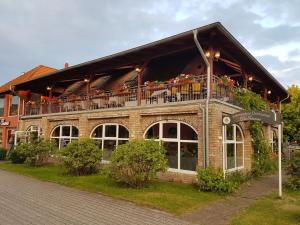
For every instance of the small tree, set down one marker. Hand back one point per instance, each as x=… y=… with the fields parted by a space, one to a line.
x=18 y=154
x=81 y=157
x=137 y=162
x=3 y=153
x=293 y=172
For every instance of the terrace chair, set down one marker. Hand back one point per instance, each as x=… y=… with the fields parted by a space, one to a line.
x=196 y=87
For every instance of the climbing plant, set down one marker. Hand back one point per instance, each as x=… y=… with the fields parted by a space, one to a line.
x=263 y=159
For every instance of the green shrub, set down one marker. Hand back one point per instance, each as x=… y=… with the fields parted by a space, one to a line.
x=137 y=162
x=3 y=153
x=81 y=157
x=211 y=179
x=18 y=154
x=38 y=152
x=293 y=172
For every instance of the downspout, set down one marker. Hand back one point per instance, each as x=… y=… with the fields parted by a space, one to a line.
x=195 y=32
x=203 y=135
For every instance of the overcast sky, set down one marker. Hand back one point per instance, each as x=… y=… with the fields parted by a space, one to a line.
x=52 y=32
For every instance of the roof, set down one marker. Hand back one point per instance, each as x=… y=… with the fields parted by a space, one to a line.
x=214 y=32
x=35 y=73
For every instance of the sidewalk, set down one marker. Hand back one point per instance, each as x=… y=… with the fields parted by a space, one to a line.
x=220 y=213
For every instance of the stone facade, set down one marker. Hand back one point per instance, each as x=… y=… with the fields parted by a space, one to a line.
x=138 y=119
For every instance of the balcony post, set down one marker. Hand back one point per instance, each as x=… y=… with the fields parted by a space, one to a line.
x=212 y=81
x=139 y=84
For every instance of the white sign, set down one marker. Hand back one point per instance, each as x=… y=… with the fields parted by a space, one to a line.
x=3 y=122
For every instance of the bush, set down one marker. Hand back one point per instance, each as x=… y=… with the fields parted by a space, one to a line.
x=211 y=179
x=18 y=154
x=137 y=162
x=81 y=157
x=2 y=153
x=38 y=152
x=293 y=172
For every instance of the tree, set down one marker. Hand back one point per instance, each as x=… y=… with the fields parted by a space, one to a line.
x=291 y=115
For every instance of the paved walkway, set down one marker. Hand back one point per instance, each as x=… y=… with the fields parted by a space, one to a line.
x=220 y=213
x=28 y=201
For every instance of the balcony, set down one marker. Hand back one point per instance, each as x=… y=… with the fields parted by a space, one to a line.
x=154 y=93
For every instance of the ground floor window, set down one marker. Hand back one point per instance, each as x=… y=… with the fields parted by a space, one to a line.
x=32 y=132
x=109 y=136
x=233 y=147
x=180 y=141
x=64 y=134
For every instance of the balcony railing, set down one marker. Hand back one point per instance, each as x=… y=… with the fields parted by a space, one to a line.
x=162 y=93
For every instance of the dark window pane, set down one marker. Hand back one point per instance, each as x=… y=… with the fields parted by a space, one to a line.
x=170 y=130
x=123 y=132
x=1 y=106
x=109 y=146
x=229 y=132
x=171 y=149
x=110 y=131
x=55 y=141
x=97 y=132
x=64 y=142
x=189 y=156
x=75 y=132
x=187 y=133
x=230 y=156
x=121 y=142
x=66 y=131
x=13 y=110
x=153 y=132
x=56 y=132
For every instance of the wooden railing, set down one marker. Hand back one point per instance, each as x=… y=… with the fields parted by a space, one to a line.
x=162 y=93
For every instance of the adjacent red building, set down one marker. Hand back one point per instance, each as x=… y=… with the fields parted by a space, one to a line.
x=11 y=104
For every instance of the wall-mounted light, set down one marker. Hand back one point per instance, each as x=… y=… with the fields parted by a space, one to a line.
x=138 y=69
x=207 y=54
x=250 y=78
x=217 y=54
x=49 y=88
x=86 y=80
x=269 y=92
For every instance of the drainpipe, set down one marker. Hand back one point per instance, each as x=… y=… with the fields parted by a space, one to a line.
x=203 y=135
x=206 y=162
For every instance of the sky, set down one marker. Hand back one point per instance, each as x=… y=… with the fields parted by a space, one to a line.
x=35 y=32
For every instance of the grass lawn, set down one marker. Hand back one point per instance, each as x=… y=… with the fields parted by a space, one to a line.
x=272 y=211
x=171 y=197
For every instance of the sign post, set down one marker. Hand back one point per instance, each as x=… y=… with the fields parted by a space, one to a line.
x=279 y=161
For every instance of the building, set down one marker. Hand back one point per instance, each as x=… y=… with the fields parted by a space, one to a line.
x=175 y=90
x=11 y=107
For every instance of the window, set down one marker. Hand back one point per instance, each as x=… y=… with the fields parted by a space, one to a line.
x=14 y=103
x=32 y=133
x=233 y=147
x=1 y=106
x=64 y=134
x=109 y=137
x=180 y=142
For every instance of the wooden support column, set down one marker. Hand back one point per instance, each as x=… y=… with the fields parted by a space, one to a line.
x=211 y=62
x=266 y=94
x=245 y=83
x=139 y=86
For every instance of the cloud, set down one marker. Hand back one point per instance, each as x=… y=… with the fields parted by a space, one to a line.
x=53 y=32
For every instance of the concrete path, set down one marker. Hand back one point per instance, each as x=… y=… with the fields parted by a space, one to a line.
x=220 y=213
x=28 y=201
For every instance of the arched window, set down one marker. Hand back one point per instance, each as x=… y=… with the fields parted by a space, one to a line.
x=233 y=147
x=180 y=142
x=110 y=135
x=64 y=134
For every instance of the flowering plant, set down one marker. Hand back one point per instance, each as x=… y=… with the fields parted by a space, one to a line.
x=226 y=81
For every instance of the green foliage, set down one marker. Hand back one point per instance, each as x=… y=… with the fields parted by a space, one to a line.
x=38 y=152
x=263 y=159
x=2 y=153
x=249 y=100
x=212 y=180
x=293 y=172
x=18 y=154
x=137 y=162
x=81 y=157
x=291 y=115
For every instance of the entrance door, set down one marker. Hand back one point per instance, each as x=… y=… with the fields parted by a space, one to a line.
x=10 y=138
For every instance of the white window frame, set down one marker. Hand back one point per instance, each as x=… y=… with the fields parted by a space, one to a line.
x=103 y=137
x=177 y=140
x=63 y=137
x=235 y=142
